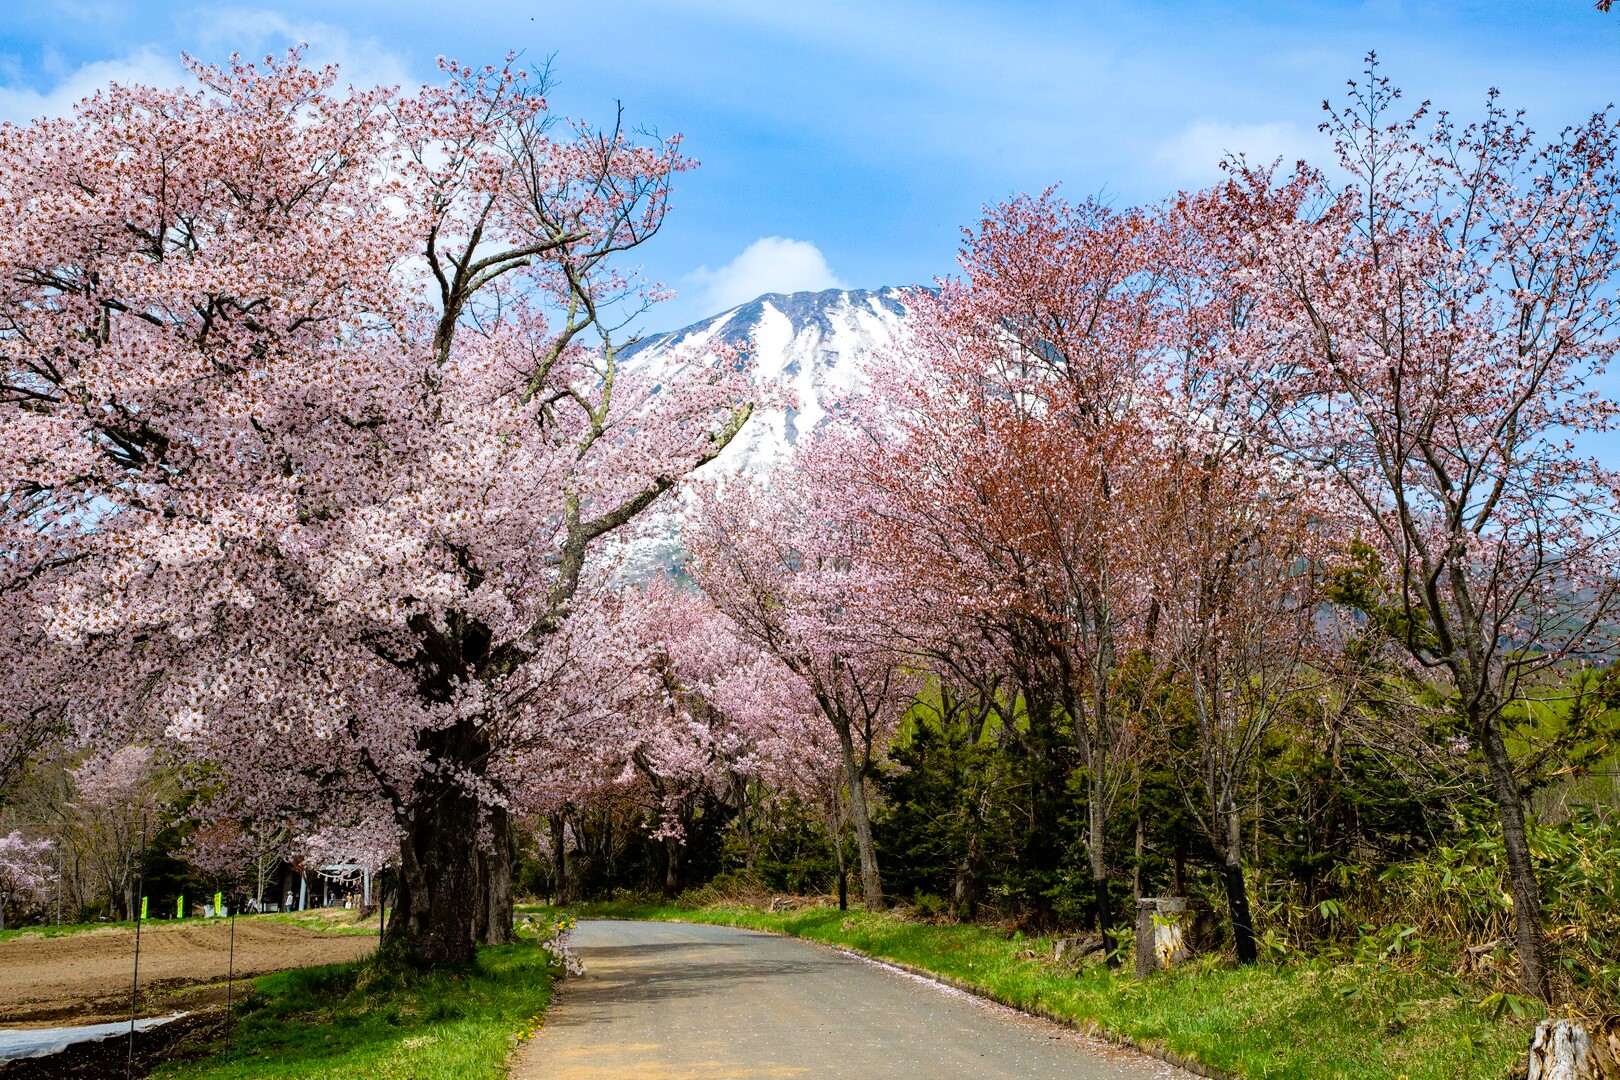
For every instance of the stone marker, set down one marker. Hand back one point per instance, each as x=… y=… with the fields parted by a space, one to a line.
x=1159 y=941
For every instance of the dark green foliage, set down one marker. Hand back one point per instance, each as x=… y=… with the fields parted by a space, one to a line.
x=944 y=829
x=706 y=833
x=978 y=814
x=1333 y=804
x=794 y=850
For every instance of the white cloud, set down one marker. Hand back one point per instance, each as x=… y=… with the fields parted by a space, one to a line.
x=362 y=62
x=254 y=34
x=20 y=104
x=769 y=264
x=1195 y=152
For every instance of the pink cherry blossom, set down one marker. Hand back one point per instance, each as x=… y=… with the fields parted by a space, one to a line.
x=313 y=428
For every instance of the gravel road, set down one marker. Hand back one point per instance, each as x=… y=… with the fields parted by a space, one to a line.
x=674 y=1000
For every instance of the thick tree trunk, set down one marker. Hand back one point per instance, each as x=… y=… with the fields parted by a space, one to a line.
x=1527 y=932
x=1237 y=891
x=559 y=856
x=871 y=884
x=496 y=882
x=437 y=912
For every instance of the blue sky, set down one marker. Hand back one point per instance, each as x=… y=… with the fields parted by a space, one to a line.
x=847 y=143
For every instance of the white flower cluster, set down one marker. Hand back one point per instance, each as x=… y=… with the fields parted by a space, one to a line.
x=557 y=946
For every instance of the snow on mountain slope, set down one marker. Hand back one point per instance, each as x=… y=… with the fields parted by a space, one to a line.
x=815 y=345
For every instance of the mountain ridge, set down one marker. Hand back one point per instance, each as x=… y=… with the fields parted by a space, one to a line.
x=817 y=345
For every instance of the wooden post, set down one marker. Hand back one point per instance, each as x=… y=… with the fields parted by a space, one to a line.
x=135 y=976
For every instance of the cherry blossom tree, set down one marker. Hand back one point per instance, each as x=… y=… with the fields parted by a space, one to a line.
x=999 y=461
x=673 y=748
x=312 y=422
x=26 y=870
x=119 y=800
x=234 y=855
x=33 y=714
x=726 y=716
x=795 y=753
x=787 y=569
x=1437 y=320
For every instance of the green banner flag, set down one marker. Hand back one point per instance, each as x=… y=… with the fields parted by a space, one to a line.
x=180 y=906
x=219 y=905
x=143 y=907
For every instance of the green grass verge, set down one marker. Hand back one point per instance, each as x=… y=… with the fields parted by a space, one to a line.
x=1309 y=1021
x=65 y=930
x=349 y=1021
x=326 y=920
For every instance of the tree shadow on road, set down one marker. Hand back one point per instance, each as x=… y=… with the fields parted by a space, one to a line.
x=594 y=997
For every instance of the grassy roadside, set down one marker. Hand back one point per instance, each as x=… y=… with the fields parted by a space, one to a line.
x=356 y=1020
x=1306 y=1021
x=326 y=920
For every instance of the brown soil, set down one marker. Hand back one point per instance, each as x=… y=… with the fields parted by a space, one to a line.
x=85 y=978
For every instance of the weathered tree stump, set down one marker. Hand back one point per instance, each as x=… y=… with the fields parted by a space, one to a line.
x=1159 y=941
x=1566 y=1050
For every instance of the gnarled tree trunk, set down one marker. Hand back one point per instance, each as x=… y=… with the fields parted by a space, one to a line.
x=436 y=914
x=455 y=882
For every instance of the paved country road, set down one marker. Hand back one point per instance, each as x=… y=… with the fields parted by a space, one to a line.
x=677 y=1000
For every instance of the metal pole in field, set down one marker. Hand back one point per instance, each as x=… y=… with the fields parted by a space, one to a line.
x=135 y=979
x=230 y=972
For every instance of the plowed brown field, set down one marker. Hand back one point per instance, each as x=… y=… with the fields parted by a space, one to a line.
x=85 y=978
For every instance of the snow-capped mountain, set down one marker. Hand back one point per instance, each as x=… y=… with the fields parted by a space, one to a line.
x=818 y=346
